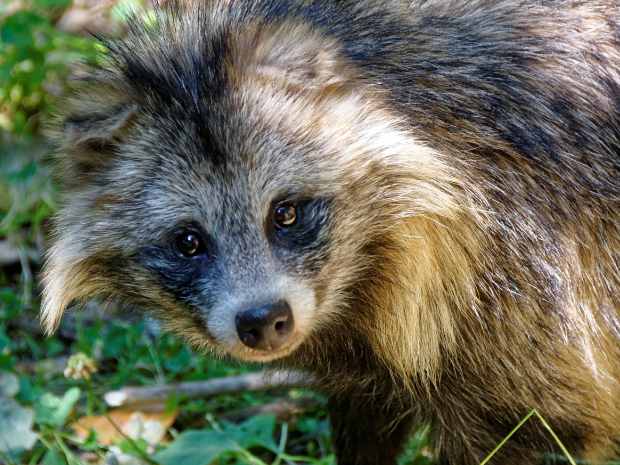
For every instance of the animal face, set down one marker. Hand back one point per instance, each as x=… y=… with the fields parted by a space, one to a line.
x=234 y=178
x=236 y=238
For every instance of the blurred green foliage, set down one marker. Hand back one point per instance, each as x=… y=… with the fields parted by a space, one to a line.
x=34 y=57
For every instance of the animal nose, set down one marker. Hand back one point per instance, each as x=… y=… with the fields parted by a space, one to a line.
x=267 y=327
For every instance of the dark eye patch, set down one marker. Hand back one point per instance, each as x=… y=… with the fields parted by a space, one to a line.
x=305 y=241
x=181 y=275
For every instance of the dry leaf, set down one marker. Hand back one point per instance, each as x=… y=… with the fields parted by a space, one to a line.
x=137 y=425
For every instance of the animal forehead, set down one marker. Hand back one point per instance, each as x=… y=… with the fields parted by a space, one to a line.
x=238 y=147
x=234 y=168
x=219 y=195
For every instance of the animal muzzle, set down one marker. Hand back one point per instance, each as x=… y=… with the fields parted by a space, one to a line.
x=266 y=327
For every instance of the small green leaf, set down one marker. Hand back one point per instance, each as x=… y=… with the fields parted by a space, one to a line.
x=9 y=384
x=66 y=405
x=8 y=296
x=53 y=410
x=15 y=427
x=53 y=347
x=17 y=29
x=173 y=401
x=194 y=448
x=23 y=175
x=115 y=342
x=53 y=458
x=180 y=362
x=92 y=442
x=5 y=344
x=5 y=73
x=27 y=392
x=257 y=431
x=128 y=448
x=46 y=407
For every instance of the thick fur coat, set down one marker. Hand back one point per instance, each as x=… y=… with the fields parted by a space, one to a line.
x=454 y=169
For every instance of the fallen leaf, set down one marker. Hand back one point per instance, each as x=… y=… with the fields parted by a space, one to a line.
x=151 y=427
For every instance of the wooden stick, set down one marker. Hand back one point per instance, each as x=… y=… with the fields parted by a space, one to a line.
x=140 y=397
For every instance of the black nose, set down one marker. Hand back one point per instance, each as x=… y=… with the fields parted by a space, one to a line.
x=267 y=327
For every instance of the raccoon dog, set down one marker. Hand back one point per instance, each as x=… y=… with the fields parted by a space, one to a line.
x=415 y=201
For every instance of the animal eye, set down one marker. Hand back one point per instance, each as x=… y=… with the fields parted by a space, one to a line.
x=190 y=244
x=285 y=216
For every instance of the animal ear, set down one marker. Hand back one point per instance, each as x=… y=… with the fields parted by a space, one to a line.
x=96 y=128
x=309 y=69
x=298 y=57
x=90 y=124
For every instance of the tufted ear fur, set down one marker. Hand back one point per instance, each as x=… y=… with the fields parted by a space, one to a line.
x=313 y=69
x=91 y=126
x=299 y=58
x=98 y=128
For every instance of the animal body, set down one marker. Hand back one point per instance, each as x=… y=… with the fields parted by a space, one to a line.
x=415 y=201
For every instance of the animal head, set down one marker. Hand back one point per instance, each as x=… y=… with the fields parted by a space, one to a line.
x=231 y=172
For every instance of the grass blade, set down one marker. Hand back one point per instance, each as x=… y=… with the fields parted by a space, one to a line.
x=534 y=411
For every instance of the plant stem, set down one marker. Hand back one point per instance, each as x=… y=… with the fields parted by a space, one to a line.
x=6 y=459
x=568 y=456
x=71 y=458
x=37 y=456
x=281 y=455
x=534 y=411
x=507 y=437
x=46 y=443
x=295 y=458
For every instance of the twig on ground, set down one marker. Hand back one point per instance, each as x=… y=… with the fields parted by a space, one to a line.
x=140 y=397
